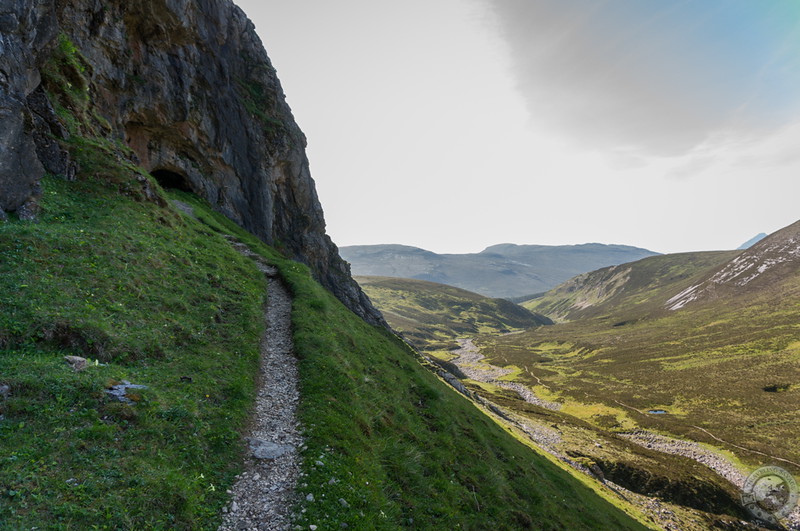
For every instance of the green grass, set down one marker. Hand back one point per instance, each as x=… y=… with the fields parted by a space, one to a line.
x=432 y=316
x=727 y=366
x=152 y=298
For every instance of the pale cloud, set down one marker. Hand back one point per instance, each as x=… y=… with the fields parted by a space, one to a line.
x=691 y=168
x=778 y=150
x=451 y=127
x=660 y=77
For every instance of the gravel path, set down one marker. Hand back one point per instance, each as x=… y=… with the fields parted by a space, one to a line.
x=263 y=495
x=472 y=363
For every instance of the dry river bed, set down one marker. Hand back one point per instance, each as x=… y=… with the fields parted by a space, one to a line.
x=474 y=365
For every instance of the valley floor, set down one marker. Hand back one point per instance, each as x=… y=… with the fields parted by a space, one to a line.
x=566 y=438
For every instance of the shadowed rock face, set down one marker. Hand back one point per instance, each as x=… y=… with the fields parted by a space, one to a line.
x=188 y=86
x=25 y=26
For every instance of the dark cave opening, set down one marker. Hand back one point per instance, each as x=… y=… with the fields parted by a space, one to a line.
x=170 y=179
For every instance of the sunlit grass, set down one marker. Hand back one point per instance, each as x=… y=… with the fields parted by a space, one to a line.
x=150 y=298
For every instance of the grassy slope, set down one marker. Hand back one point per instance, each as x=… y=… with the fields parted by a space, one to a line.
x=404 y=450
x=156 y=297
x=161 y=299
x=153 y=298
x=432 y=315
x=709 y=366
x=628 y=289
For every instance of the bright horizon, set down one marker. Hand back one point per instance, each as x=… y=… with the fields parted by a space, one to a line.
x=469 y=123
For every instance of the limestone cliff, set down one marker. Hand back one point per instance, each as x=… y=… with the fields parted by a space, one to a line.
x=189 y=88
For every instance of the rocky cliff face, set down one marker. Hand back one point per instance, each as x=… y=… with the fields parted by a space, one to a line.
x=188 y=87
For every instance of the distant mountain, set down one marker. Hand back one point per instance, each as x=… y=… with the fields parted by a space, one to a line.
x=752 y=241
x=765 y=266
x=504 y=270
x=700 y=345
x=431 y=316
x=634 y=288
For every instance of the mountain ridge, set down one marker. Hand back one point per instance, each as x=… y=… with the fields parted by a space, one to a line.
x=502 y=270
x=758 y=268
x=611 y=290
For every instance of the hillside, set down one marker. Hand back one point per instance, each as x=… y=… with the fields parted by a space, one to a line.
x=505 y=270
x=764 y=267
x=635 y=288
x=709 y=355
x=431 y=316
x=161 y=299
x=121 y=246
x=183 y=89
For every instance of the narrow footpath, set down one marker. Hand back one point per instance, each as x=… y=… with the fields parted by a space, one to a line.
x=264 y=494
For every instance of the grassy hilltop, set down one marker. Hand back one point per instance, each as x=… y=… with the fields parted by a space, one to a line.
x=431 y=316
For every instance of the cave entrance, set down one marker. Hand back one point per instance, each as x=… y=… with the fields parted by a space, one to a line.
x=170 y=179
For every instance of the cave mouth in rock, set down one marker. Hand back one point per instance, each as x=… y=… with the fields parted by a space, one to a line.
x=173 y=180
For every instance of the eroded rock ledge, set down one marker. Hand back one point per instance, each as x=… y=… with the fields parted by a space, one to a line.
x=188 y=86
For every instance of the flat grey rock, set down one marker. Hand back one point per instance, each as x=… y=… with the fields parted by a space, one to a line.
x=268 y=450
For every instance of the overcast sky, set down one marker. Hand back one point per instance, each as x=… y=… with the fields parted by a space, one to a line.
x=457 y=124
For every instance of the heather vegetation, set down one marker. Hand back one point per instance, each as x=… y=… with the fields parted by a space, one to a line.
x=716 y=371
x=724 y=370
x=721 y=372
x=432 y=316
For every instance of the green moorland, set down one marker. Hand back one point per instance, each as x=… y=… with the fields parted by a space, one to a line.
x=113 y=273
x=431 y=316
x=725 y=371
x=627 y=291
x=586 y=430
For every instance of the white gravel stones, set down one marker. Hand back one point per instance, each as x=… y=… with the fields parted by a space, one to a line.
x=472 y=363
x=263 y=495
x=713 y=460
